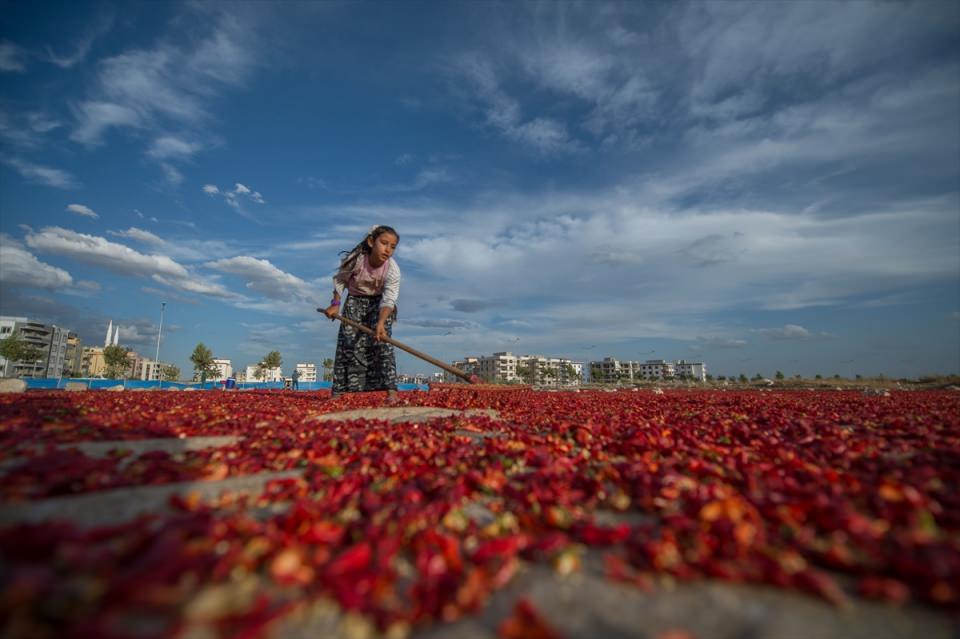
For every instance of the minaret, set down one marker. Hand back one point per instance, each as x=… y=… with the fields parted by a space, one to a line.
x=106 y=342
x=116 y=336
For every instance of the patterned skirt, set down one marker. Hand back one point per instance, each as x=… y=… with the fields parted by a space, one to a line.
x=362 y=363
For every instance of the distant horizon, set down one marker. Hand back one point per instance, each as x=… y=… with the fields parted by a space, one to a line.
x=757 y=185
x=714 y=374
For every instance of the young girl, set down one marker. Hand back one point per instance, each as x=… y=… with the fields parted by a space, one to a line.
x=372 y=277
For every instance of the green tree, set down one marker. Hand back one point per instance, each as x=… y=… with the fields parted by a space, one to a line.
x=526 y=371
x=115 y=357
x=779 y=375
x=202 y=358
x=818 y=376
x=170 y=373
x=743 y=378
x=15 y=349
x=271 y=361
x=596 y=373
x=327 y=370
x=568 y=373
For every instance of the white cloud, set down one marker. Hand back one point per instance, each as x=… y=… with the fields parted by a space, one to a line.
x=83 y=210
x=170 y=86
x=101 y=252
x=140 y=235
x=12 y=57
x=20 y=268
x=266 y=279
x=234 y=198
x=543 y=135
x=82 y=46
x=786 y=332
x=144 y=217
x=169 y=147
x=171 y=173
x=95 y=117
x=41 y=174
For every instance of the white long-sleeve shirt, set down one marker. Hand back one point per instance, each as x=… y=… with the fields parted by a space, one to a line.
x=389 y=288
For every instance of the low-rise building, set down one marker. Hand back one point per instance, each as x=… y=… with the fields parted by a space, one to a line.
x=92 y=363
x=611 y=370
x=255 y=374
x=307 y=371
x=224 y=369
x=533 y=369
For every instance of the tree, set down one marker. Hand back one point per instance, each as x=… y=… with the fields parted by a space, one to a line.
x=170 y=373
x=779 y=375
x=271 y=361
x=115 y=357
x=568 y=373
x=742 y=378
x=818 y=376
x=15 y=349
x=596 y=373
x=526 y=372
x=327 y=370
x=202 y=359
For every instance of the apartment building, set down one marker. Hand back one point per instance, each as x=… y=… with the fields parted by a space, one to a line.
x=49 y=340
x=534 y=369
x=224 y=369
x=691 y=370
x=612 y=370
x=268 y=374
x=307 y=371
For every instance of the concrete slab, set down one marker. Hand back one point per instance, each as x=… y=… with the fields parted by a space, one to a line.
x=170 y=445
x=587 y=605
x=12 y=385
x=108 y=507
x=405 y=414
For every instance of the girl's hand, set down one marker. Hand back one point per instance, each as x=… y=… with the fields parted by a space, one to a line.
x=381 y=332
x=332 y=311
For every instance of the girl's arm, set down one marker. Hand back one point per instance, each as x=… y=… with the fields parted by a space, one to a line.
x=385 y=312
x=388 y=304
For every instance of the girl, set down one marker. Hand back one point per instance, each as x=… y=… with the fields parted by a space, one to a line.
x=372 y=277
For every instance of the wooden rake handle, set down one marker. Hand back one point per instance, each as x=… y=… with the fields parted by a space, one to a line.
x=389 y=340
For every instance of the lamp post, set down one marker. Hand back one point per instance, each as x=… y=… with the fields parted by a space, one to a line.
x=156 y=359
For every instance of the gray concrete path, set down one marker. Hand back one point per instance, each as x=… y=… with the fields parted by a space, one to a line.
x=102 y=508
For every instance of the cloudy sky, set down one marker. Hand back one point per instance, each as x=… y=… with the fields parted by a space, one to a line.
x=759 y=186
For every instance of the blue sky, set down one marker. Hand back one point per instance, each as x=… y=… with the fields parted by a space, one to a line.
x=760 y=186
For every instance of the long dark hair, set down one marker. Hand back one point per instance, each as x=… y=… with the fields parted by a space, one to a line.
x=348 y=262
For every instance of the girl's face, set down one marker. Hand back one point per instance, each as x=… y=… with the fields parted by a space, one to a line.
x=382 y=248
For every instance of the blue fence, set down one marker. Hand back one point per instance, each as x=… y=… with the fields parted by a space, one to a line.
x=53 y=383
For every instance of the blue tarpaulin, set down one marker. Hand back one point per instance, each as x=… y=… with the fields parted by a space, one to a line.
x=52 y=383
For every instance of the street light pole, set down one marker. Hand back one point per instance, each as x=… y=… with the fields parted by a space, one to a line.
x=156 y=360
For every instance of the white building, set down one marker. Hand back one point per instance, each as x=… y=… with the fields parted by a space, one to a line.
x=507 y=367
x=612 y=370
x=149 y=369
x=224 y=369
x=657 y=369
x=307 y=371
x=267 y=374
x=691 y=370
